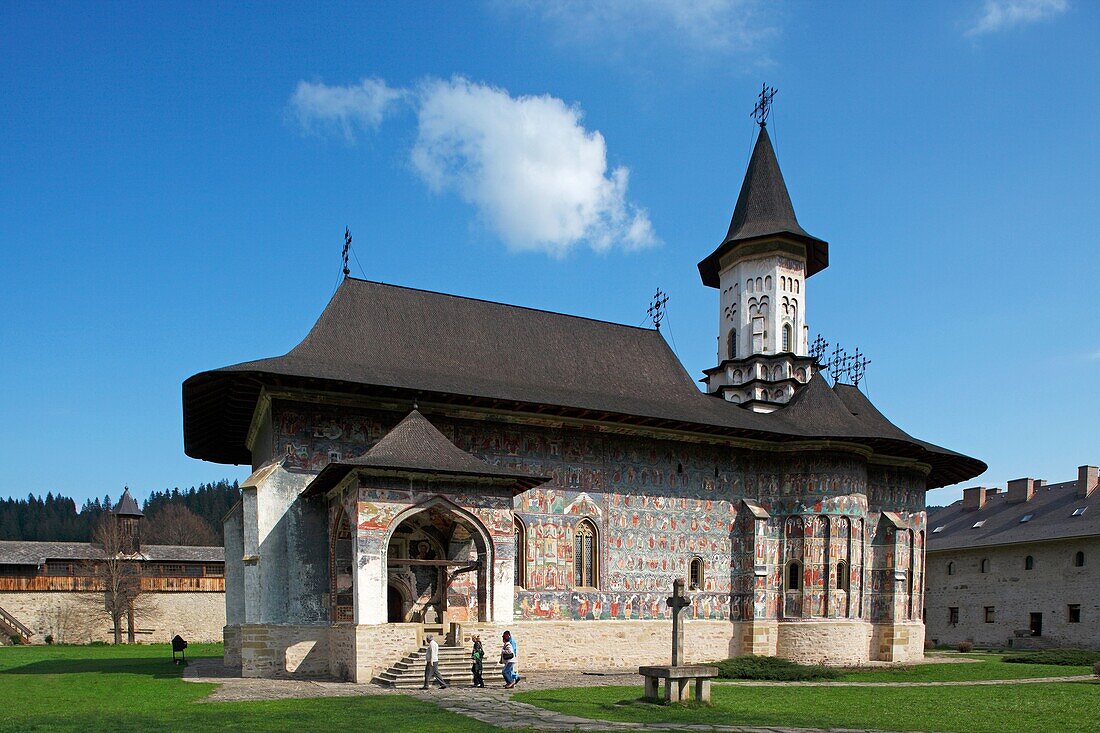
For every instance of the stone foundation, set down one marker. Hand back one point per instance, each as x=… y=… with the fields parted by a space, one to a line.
x=358 y=653
x=834 y=642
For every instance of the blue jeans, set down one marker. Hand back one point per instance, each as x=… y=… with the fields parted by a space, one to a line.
x=510 y=675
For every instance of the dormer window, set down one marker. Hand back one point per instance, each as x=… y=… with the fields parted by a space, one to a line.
x=1079 y=511
x=979 y=523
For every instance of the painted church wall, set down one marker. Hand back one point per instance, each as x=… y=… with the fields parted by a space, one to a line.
x=656 y=505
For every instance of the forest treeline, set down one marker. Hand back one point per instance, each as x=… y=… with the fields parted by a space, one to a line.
x=172 y=517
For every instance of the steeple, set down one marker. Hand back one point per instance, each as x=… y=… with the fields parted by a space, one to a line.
x=764 y=210
x=760 y=269
x=128 y=516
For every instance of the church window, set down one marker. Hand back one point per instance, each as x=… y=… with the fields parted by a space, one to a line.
x=843 y=578
x=731 y=344
x=520 y=532
x=757 y=335
x=953 y=615
x=788 y=338
x=794 y=575
x=990 y=614
x=951 y=568
x=1029 y=563
x=1073 y=613
x=985 y=565
x=695 y=573
x=585 y=560
x=1079 y=560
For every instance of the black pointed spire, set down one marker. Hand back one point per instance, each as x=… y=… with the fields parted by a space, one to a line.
x=764 y=210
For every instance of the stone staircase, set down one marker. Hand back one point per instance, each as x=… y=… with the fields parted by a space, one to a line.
x=454 y=665
x=11 y=627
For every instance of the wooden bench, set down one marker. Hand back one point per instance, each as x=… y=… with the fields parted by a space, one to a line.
x=677 y=681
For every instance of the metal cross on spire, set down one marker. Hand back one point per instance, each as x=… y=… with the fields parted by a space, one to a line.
x=347 y=248
x=764 y=105
x=859 y=367
x=658 y=308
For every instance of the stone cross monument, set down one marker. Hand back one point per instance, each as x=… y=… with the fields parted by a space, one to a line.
x=677 y=602
x=678 y=678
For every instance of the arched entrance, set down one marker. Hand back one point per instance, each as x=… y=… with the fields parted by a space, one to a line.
x=341 y=570
x=395 y=605
x=438 y=560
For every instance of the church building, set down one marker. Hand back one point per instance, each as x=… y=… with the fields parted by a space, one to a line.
x=430 y=462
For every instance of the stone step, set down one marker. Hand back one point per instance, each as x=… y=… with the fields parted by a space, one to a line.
x=454 y=666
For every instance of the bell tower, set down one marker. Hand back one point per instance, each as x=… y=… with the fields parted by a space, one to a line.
x=760 y=270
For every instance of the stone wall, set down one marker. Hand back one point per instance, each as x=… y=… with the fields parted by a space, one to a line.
x=1014 y=593
x=78 y=618
x=832 y=642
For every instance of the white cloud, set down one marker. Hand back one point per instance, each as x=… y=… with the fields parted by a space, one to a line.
x=998 y=15
x=691 y=26
x=537 y=177
x=346 y=108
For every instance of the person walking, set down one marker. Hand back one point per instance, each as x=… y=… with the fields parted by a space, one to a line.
x=431 y=664
x=478 y=666
x=508 y=659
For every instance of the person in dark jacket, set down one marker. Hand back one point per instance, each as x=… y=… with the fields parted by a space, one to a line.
x=478 y=666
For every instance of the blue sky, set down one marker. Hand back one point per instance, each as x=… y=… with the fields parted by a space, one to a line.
x=175 y=182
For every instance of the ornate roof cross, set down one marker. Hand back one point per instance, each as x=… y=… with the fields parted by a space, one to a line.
x=818 y=349
x=859 y=367
x=658 y=308
x=347 y=247
x=677 y=602
x=764 y=105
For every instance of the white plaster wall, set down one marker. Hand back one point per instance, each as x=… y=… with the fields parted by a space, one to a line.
x=735 y=293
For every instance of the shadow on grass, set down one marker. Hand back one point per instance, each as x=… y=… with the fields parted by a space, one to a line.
x=156 y=667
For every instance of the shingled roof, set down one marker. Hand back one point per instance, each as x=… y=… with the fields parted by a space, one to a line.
x=415 y=445
x=764 y=210
x=127 y=505
x=19 y=552
x=399 y=343
x=1051 y=510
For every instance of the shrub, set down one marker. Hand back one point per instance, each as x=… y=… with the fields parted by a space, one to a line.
x=49 y=639
x=752 y=667
x=15 y=639
x=97 y=642
x=1061 y=657
x=966 y=647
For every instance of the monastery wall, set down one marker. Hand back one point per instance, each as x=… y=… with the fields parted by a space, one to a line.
x=79 y=618
x=1014 y=592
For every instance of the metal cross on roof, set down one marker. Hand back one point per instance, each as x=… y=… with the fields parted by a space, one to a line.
x=859 y=367
x=818 y=348
x=764 y=105
x=657 y=308
x=347 y=247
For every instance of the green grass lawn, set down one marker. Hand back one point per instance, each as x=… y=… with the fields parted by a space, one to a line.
x=990 y=667
x=1033 y=708
x=137 y=689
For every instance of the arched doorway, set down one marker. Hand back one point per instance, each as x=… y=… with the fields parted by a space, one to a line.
x=395 y=605
x=438 y=559
x=341 y=569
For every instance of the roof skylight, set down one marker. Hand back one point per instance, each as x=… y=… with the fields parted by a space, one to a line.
x=938 y=529
x=1026 y=518
x=1079 y=511
x=979 y=523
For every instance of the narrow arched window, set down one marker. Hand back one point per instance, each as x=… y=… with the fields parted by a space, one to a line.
x=695 y=573
x=951 y=568
x=768 y=282
x=788 y=337
x=843 y=578
x=585 y=556
x=1079 y=560
x=1029 y=563
x=794 y=575
x=520 y=532
x=985 y=564
x=731 y=344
